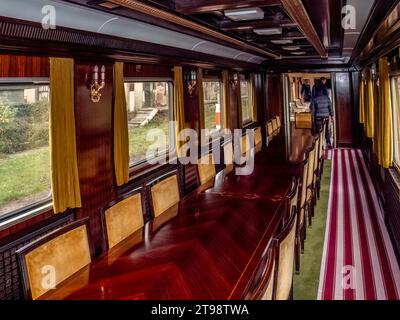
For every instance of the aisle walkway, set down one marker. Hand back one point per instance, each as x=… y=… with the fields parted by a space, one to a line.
x=358 y=260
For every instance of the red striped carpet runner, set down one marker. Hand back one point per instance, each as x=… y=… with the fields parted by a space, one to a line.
x=358 y=262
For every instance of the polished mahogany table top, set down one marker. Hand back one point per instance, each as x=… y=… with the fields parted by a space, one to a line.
x=206 y=247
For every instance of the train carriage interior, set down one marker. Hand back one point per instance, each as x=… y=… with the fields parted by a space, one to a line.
x=199 y=150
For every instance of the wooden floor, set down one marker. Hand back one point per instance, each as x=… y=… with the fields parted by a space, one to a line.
x=207 y=247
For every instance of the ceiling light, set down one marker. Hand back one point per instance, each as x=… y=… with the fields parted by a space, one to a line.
x=268 y=31
x=291 y=48
x=283 y=41
x=245 y=14
x=298 y=53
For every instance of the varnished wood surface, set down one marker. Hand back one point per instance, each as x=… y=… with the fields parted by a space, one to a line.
x=206 y=247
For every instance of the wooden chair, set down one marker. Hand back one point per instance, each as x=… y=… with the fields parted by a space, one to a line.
x=292 y=199
x=321 y=160
x=275 y=126
x=302 y=212
x=53 y=258
x=164 y=193
x=245 y=144
x=279 y=122
x=315 y=178
x=284 y=244
x=257 y=140
x=228 y=157
x=122 y=218
x=270 y=132
x=310 y=184
x=262 y=282
x=206 y=169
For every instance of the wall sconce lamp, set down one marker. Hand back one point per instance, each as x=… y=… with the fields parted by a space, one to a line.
x=235 y=79
x=96 y=86
x=374 y=72
x=191 y=81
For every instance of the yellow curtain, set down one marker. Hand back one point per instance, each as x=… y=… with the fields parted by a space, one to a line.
x=121 y=139
x=385 y=116
x=362 y=101
x=225 y=81
x=254 y=97
x=369 y=102
x=179 y=107
x=201 y=98
x=64 y=166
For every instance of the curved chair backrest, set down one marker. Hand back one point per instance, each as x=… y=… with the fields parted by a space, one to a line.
x=61 y=253
x=228 y=157
x=274 y=125
x=279 y=122
x=206 y=168
x=303 y=194
x=257 y=139
x=164 y=193
x=285 y=251
x=122 y=218
x=270 y=130
x=310 y=167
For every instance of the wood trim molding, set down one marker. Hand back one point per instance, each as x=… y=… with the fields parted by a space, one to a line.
x=298 y=14
x=186 y=23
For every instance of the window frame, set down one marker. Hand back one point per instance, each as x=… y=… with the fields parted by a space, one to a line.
x=243 y=78
x=38 y=207
x=214 y=134
x=142 y=164
x=393 y=79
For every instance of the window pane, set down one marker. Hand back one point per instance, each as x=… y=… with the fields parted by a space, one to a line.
x=396 y=119
x=212 y=105
x=148 y=106
x=24 y=146
x=246 y=102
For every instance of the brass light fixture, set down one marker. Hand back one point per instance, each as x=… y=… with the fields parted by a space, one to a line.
x=96 y=86
x=191 y=81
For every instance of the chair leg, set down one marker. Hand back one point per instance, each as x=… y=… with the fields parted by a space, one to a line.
x=297 y=254
x=310 y=213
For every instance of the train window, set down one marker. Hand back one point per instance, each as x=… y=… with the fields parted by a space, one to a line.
x=245 y=92
x=396 y=120
x=24 y=146
x=213 y=110
x=150 y=107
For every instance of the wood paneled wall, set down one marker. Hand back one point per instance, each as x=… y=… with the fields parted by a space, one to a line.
x=344 y=109
x=24 y=66
x=275 y=103
x=94 y=131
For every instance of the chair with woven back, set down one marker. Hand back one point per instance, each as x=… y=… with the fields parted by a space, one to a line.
x=206 y=169
x=54 y=258
x=284 y=244
x=310 y=182
x=257 y=140
x=164 y=193
x=228 y=157
x=122 y=218
x=275 y=127
x=302 y=210
x=270 y=132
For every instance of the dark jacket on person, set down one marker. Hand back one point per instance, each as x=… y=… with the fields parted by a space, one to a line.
x=321 y=107
x=306 y=92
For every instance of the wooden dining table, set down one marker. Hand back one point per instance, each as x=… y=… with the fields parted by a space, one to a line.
x=206 y=247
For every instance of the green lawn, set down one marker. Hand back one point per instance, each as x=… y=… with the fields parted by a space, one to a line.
x=24 y=175
x=137 y=136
